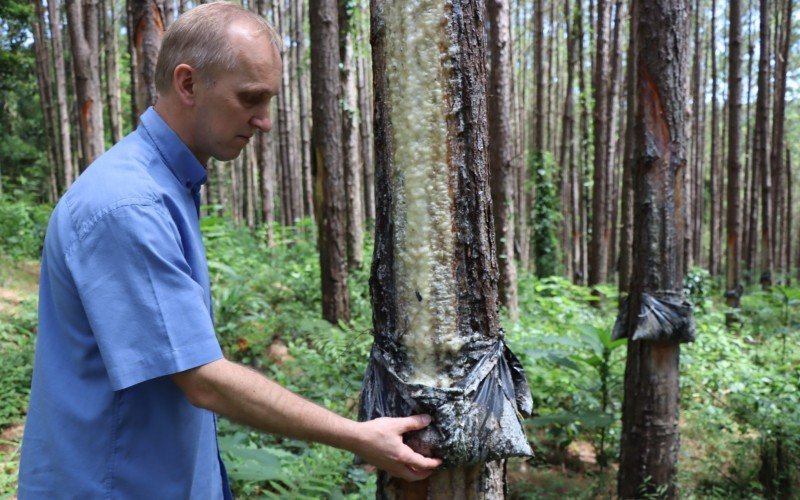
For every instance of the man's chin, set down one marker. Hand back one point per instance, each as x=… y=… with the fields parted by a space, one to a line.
x=227 y=156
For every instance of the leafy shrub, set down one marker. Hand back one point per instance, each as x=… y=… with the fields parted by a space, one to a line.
x=22 y=228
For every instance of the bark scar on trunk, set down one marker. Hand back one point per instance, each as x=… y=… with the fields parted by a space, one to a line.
x=656 y=129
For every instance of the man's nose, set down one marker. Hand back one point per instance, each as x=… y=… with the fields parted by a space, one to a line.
x=262 y=121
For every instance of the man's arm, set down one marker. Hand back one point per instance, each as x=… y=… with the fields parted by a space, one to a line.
x=246 y=396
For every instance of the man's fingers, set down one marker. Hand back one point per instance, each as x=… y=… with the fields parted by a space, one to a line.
x=419 y=462
x=415 y=422
x=412 y=474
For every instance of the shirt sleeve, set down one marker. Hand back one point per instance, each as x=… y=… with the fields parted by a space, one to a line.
x=147 y=314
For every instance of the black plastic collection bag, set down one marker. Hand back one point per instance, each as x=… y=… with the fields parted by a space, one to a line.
x=666 y=317
x=478 y=419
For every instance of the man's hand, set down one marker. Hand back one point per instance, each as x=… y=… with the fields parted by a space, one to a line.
x=381 y=444
x=246 y=396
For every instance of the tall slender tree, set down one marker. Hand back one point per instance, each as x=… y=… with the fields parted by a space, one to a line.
x=500 y=165
x=733 y=287
x=83 y=31
x=146 y=28
x=108 y=14
x=761 y=144
x=650 y=433
x=326 y=148
x=598 y=253
x=65 y=144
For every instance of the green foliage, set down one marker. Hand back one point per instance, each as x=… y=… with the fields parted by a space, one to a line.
x=17 y=339
x=269 y=295
x=546 y=214
x=22 y=228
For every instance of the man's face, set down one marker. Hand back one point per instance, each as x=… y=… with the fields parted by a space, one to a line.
x=236 y=104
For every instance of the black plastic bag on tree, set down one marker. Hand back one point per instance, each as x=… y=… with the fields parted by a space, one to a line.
x=477 y=419
x=665 y=317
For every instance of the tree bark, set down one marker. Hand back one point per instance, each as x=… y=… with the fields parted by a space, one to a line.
x=82 y=23
x=303 y=106
x=65 y=144
x=733 y=287
x=434 y=275
x=761 y=148
x=326 y=146
x=778 y=132
x=715 y=246
x=650 y=433
x=44 y=79
x=598 y=252
x=612 y=107
x=350 y=140
x=365 y=109
x=626 y=227
x=500 y=165
x=566 y=159
x=146 y=26
x=111 y=67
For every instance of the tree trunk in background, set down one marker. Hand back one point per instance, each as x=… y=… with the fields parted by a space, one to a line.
x=612 y=169
x=42 y=56
x=326 y=146
x=781 y=181
x=291 y=176
x=750 y=200
x=761 y=148
x=303 y=105
x=732 y=283
x=715 y=246
x=584 y=158
x=350 y=139
x=598 y=251
x=521 y=198
x=169 y=13
x=82 y=23
x=566 y=158
x=147 y=28
x=65 y=145
x=108 y=13
x=626 y=226
x=650 y=433
x=434 y=267
x=701 y=52
x=365 y=110
x=500 y=151
x=266 y=176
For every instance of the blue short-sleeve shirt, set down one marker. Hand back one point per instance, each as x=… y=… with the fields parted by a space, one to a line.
x=124 y=301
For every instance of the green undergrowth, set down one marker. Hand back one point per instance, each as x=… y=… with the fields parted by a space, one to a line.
x=739 y=421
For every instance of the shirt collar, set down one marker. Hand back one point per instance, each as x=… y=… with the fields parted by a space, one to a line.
x=183 y=164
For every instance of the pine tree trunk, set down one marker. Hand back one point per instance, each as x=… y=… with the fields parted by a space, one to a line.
x=108 y=12
x=626 y=227
x=566 y=159
x=650 y=433
x=598 y=252
x=733 y=286
x=612 y=107
x=778 y=126
x=434 y=273
x=584 y=160
x=146 y=26
x=291 y=175
x=82 y=23
x=761 y=148
x=350 y=140
x=327 y=163
x=44 y=79
x=65 y=145
x=500 y=165
x=365 y=109
x=303 y=106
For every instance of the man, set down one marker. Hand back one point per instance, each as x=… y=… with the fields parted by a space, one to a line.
x=128 y=372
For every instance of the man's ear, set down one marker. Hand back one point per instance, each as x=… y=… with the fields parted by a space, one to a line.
x=184 y=79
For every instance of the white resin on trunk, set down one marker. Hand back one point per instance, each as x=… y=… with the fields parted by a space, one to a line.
x=416 y=50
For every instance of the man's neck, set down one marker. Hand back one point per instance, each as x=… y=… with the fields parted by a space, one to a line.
x=177 y=121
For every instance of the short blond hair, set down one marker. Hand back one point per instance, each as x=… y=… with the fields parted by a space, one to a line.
x=199 y=38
